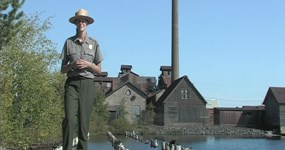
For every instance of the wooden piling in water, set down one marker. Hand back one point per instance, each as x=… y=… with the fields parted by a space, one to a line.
x=172 y=146
x=116 y=143
x=154 y=142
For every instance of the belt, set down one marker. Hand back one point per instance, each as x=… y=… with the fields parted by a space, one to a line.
x=76 y=78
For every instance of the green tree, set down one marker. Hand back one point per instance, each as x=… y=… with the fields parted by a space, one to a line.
x=31 y=105
x=121 y=124
x=10 y=20
x=100 y=107
x=149 y=114
x=122 y=112
x=100 y=115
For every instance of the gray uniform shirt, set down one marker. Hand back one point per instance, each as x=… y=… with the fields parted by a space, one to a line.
x=88 y=50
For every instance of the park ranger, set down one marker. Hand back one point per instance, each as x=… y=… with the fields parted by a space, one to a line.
x=81 y=59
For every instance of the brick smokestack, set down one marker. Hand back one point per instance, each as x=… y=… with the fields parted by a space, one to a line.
x=175 y=42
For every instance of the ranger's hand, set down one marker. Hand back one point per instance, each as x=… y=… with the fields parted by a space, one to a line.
x=81 y=64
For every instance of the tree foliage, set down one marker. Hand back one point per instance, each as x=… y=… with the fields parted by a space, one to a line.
x=101 y=108
x=149 y=115
x=31 y=102
x=122 y=112
x=120 y=125
x=100 y=115
x=10 y=20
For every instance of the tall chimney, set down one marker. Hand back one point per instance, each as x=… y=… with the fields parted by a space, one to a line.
x=175 y=42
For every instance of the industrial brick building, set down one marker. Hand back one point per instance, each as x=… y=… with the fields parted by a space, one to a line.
x=180 y=102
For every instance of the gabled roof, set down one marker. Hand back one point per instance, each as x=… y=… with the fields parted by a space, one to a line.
x=131 y=86
x=278 y=93
x=173 y=86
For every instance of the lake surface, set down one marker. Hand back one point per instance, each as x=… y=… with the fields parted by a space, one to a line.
x=195 y=142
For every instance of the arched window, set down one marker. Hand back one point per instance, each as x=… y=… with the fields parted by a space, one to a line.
x=184 y=94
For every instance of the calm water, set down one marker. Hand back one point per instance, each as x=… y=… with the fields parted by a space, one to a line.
x=196 y=142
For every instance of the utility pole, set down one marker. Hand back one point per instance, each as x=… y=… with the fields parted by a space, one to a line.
x=175 y=42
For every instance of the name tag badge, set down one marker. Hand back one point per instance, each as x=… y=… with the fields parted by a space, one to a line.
x=90 y=46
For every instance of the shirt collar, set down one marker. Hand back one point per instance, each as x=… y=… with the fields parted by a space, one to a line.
x=87 y=39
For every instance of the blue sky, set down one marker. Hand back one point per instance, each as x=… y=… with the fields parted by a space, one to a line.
x=231 y=50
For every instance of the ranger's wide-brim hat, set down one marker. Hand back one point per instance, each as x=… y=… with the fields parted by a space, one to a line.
x=81 y=14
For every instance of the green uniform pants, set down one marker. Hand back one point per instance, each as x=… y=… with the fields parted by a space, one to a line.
x=78 y=104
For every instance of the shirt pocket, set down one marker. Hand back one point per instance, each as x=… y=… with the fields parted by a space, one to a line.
x=89 y=55
x=72 y=54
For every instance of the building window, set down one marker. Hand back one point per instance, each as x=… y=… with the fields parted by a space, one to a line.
x=133 y=98
x=136 y=111
x=108 y=85
x=128 y=92
x=184 y=94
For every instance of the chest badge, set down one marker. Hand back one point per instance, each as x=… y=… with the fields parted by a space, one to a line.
x=90 y=46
